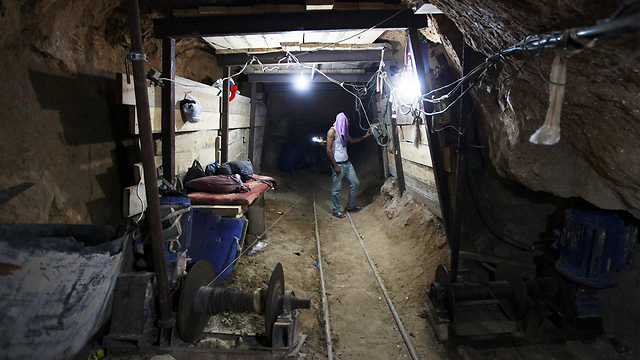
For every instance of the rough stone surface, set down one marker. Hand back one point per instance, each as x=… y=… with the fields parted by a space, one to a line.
x=597 y=157
x=62 y=127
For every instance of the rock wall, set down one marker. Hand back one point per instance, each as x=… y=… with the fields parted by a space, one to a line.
x=597 y=158
x=61 y=126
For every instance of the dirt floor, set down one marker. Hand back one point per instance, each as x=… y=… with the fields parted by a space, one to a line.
x=405 y=242
x=362 y=326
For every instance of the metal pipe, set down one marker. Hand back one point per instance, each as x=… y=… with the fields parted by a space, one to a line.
x=550 y=40
x=137 y=58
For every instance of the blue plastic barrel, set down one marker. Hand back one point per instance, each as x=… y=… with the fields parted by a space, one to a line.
x=216 y=240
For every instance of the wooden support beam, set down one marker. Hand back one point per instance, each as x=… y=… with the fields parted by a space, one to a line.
x=224 y=117
x=381 y=149
x=290 y=78
x=267 y=130
x=397 y=155
x=437 y=159
x=459 y=180
x=316 y=57
x=203 y=26
x=168 y=110
x=252 y=120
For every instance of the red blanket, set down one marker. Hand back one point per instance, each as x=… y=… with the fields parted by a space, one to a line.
x=257 y=188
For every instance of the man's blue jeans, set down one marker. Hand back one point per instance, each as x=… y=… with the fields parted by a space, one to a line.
x=349 y=173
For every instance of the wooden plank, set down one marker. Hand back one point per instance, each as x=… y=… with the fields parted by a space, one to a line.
x=261 y=109
x=421 y=192
x=370 y=5
x=134 y=200
x=345 y=6
x=239 y=10
x=237 y=135
x=291 y=8
x=191 y=141
x=240 y=105
x=206 y=95
x=259 y=143
x=258 y=157
x=185 y=12
x=138 y=173
x=406 y=134
x=209 y=10
x=185 y=159
x=419 y=171
x=234 y=211
x=420 y=155
x=209 y=121
x=261 y=121
x=238 y=151
x=239 y=121
x=259 y=132
x=257 y=218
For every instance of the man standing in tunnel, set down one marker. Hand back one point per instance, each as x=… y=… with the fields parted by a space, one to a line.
x=337 y=138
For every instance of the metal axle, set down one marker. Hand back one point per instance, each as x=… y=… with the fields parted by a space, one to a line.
x=198 y=301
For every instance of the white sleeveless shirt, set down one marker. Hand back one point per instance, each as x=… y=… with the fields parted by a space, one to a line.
x=339 y=151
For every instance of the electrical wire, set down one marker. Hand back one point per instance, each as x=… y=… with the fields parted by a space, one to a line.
x=612 y=26
x=357 y=34
x=502 y=236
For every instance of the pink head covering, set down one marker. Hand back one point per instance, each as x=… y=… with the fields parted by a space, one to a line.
x=342 y=128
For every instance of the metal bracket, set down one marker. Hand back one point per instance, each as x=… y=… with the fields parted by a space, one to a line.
x=133 y=56
x=286 y=330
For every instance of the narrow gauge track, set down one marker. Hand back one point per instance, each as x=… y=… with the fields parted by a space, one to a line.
x=325 y=304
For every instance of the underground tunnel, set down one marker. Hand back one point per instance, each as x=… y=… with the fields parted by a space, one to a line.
x=175 y=179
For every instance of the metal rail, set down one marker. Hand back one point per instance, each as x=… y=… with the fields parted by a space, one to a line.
x=325 y=303
x=401 y=328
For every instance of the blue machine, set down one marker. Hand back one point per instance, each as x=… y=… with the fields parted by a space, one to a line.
x=594 y=248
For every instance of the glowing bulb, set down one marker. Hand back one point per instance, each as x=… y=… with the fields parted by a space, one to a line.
x=409 y=84
x=302 y=82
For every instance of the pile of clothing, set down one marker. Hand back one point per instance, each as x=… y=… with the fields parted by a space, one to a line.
x=229 y=177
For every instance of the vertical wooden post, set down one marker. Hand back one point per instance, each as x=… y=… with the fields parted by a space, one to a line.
x=224 y=116
x=267 y=101
x=376 y=113
x=385 y=153
x=397 y=154
x=252 y=120
x=460 y=169
x=435 y=148
x=168 y=110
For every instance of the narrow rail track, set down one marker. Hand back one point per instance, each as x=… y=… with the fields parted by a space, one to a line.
x=379 y=281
